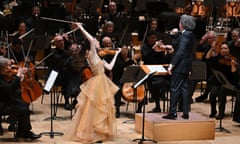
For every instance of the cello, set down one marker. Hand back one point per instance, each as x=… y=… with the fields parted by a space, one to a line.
x=30 y=88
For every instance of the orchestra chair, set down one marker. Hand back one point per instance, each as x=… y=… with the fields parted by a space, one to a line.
x=166 y=101
x=199 y=73
x=3 y=118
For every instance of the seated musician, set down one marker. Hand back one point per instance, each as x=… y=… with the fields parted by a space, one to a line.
x=61 y=62
x=234 y=43
x=35 y=16
x=109 y=30
x=225 y=63
x=157 y=85
x=11 y=102
x=204 y=45
x=74 y=76
x=106 y=43
x=21 y=44
x=123 y=60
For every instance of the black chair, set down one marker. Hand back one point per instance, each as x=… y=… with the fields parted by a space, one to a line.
x=199 y=73
x=3 y=118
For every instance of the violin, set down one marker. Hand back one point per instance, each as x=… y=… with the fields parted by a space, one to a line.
x=107 y=51
x=86 y=73
x=226 y=60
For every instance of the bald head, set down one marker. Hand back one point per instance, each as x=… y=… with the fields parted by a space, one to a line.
x=107 y=42
x=58 y=42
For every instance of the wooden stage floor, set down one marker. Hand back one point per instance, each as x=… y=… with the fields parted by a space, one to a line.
x=126 y=127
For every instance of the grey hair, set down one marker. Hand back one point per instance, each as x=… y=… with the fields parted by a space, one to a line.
x=3 y=63
x=188 y=22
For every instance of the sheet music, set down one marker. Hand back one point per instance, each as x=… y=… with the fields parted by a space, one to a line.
x=51 y=79
x=156 y=68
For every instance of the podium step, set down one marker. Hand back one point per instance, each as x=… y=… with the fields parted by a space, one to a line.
x=197 y=127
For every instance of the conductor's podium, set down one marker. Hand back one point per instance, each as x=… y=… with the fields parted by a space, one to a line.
x=197 y=127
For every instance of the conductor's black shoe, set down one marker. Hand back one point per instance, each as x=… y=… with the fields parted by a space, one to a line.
x=185 y=116
x=28 y=135
x=170 y=116
x=155 y=110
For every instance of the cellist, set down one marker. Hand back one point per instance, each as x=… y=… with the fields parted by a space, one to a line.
x=24 y=56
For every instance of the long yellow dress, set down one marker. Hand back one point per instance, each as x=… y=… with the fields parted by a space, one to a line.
x=94 y=119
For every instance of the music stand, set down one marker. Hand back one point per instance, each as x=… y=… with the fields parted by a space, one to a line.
x=49 y=84
x=132 y=74
x=143 y=80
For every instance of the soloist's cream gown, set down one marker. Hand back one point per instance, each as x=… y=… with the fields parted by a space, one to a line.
x=94 y=119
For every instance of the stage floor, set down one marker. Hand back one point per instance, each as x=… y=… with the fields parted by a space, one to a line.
x=126 y=126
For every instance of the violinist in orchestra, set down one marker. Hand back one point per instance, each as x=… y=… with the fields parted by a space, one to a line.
x=75 y=75
x=225 y=63
x=109 y=31
x=10 y=99
x=106 y=44
x=234 y=43
x=207 y=41
x=157 y=85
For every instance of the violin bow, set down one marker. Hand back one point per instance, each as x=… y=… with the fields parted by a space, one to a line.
x=123 y=35
x=145 y=33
